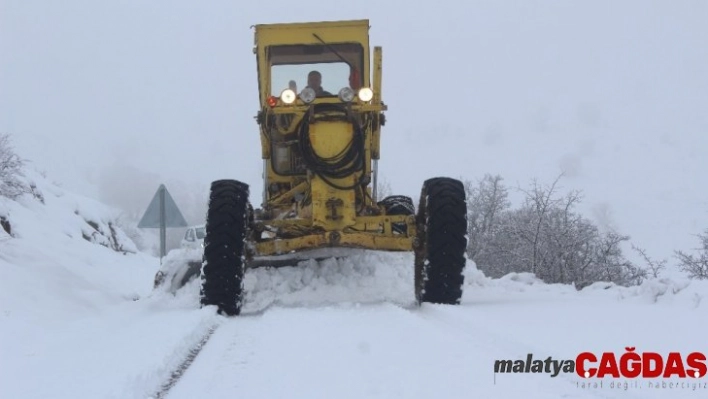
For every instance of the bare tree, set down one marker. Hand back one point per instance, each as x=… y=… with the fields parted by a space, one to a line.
x=655 y=266
x=696 y=265
x=505 y=250
x=545 y=236
x=568 y=243
x=485 y=202
x=540 y=200
x=10 y=170
x=611 y=263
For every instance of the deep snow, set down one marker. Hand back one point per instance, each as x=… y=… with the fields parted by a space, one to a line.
x=80 y=320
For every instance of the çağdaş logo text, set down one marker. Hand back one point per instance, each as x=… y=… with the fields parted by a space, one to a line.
x=630 y=364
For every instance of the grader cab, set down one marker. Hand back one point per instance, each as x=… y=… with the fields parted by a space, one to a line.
x=320 y=119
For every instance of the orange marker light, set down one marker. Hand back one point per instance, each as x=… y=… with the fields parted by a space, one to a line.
x=272 y=101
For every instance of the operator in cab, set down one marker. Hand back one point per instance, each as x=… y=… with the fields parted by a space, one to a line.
x=314 y=81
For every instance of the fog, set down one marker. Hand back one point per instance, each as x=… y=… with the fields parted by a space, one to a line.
x=112 y=99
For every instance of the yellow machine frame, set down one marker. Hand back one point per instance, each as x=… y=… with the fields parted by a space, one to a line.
x=305 y=211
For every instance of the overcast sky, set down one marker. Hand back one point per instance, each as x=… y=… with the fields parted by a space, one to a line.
x=111 y=98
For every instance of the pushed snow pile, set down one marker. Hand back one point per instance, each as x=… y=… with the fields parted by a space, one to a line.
x=363 y=277
x=177 y=269
x=63 y=256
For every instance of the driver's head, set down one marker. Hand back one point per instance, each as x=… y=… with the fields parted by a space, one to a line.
x=314 y=80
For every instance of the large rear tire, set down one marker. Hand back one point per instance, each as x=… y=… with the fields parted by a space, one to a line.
x=223 y=265
x=398 y=205
x=441 y=242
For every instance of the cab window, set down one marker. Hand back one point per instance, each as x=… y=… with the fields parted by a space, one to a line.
x=339 y=64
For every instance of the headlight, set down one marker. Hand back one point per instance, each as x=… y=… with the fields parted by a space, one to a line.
x=346 y=94
x=308 y=94
x=366 y=94
x=287 y=96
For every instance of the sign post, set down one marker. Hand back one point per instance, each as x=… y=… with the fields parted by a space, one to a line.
x=162 y=213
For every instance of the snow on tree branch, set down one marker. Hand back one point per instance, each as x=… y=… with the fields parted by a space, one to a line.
x=11 y=186
x=695 y=265
x=544 y=236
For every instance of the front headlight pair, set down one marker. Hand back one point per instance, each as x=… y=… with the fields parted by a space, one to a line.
x=308 y=95
x=347 y=94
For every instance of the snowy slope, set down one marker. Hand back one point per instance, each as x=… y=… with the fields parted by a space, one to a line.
x=70 y=279
x=80 y=320
x=65 y=255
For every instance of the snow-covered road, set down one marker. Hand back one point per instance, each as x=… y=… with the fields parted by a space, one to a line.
x=388 y=351
x=330 y=338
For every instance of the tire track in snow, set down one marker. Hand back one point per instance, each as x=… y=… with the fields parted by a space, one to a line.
x=277 y=354
x=178 y=372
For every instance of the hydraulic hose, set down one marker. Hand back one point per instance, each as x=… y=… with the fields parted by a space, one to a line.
x=347 y=162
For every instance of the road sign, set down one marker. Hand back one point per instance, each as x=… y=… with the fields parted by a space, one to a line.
x=162 y=213
x=154 y=216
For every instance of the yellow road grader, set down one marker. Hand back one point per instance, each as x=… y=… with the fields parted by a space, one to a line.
x=320 y=120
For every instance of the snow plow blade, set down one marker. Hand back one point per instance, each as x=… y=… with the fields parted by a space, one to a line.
x=296 y=258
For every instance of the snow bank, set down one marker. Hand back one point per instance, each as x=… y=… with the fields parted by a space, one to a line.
x=64 y=258
x=661 y=291
x=50 y=209
x=77 y=308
